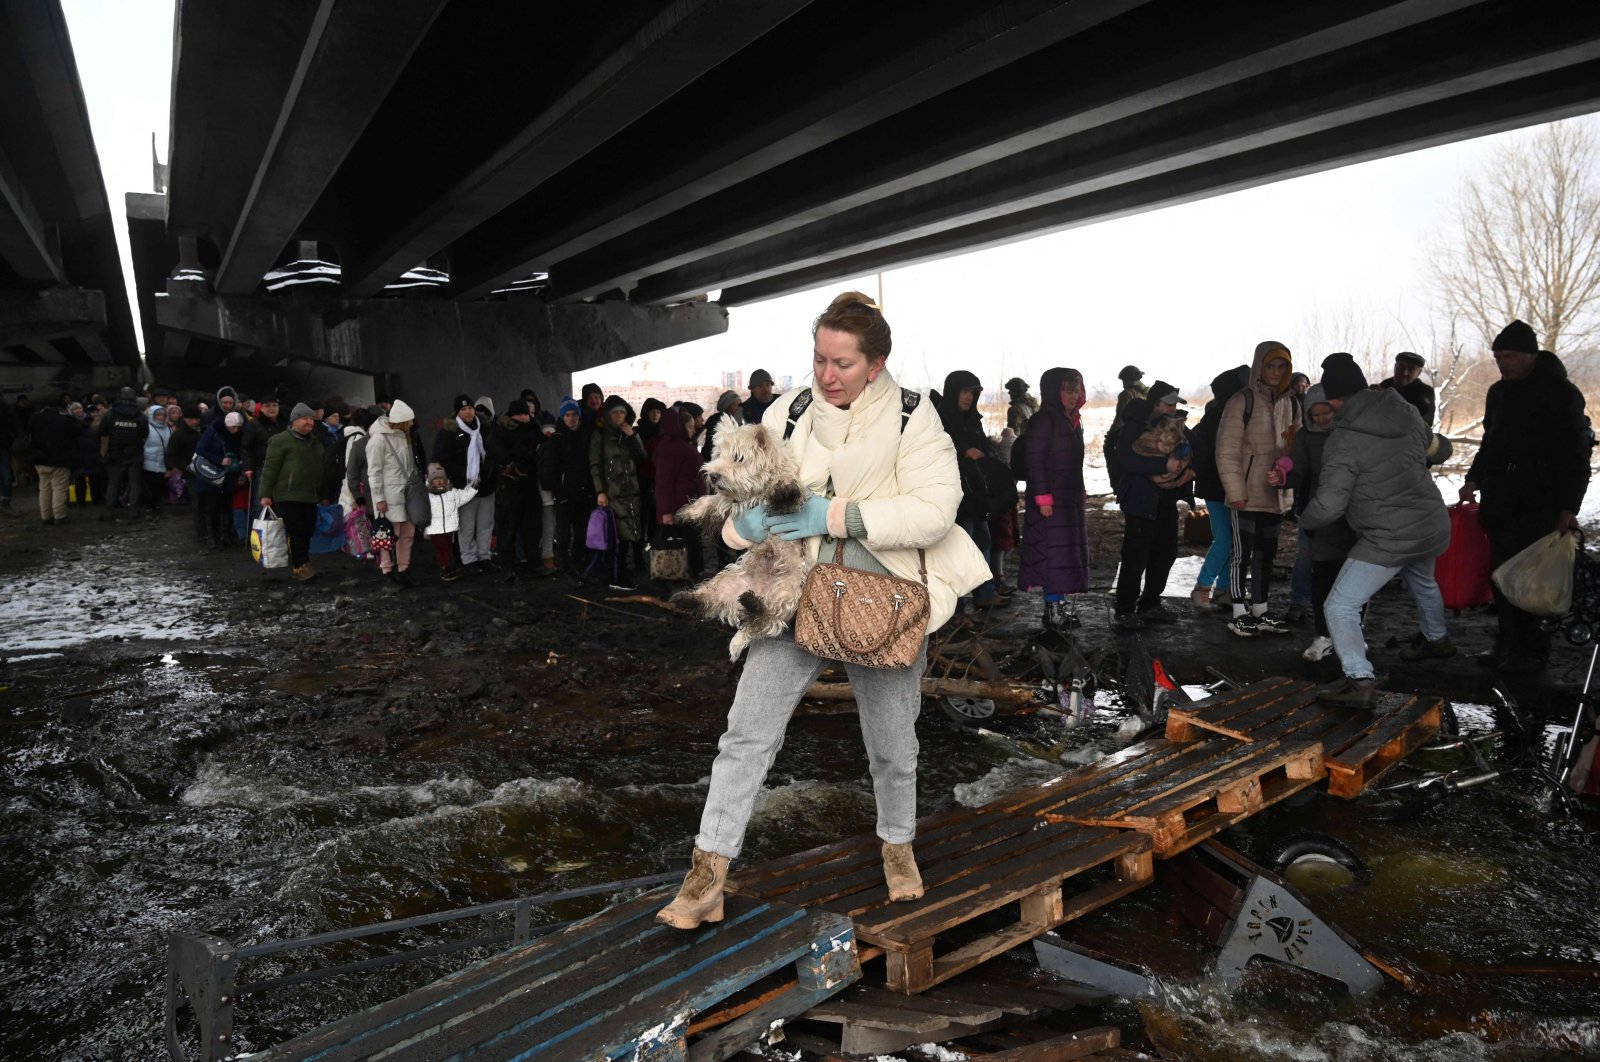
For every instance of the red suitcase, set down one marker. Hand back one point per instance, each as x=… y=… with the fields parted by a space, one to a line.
x=1462 y=570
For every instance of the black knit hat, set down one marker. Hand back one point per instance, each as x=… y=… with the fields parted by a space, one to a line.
x=1409 y=358
x=1130 y=373
x=1341 y=376
x=590 y=389
x=461 y=402
x=1516 y=336
x=518 y=408
x=759 y=377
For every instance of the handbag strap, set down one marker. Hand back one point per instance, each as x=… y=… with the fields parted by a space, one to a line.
x=922 y=561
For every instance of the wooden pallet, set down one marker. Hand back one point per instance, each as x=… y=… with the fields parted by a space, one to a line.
x=1208 y=794
x=616 y=984
x=1358 y=746
x=973 y=861
x=1403 y=725
x=874 y=1021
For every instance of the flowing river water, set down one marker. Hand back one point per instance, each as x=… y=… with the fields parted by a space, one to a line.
x=143 y=794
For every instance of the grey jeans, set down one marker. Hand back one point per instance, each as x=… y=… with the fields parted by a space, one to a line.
x=476 y=530
x=776 y=674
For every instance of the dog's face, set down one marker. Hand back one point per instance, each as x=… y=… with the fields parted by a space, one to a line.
x=1167 y=430
x=747 y=463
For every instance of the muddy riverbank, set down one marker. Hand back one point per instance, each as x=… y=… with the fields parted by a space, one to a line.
x=191 y=743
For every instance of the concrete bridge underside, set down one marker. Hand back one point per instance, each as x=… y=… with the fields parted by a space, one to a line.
x=63 y=304
x=649 y=153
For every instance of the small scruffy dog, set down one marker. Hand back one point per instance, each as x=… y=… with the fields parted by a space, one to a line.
x=1164 y=438
x=760 y=591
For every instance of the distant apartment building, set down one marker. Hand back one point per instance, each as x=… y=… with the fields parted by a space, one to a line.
x=702 y=395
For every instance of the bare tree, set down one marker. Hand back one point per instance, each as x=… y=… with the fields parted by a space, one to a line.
x=1371 y=338
x=1526 y=242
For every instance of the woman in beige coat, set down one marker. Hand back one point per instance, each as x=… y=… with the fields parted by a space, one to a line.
x=882 y=478
x=392 y=474
x=1254 y=438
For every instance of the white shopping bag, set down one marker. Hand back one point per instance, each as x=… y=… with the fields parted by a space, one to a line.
x=269 y=542
x=1539 y=579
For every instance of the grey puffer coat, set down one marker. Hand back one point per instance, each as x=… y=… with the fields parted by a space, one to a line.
x=1375 y=475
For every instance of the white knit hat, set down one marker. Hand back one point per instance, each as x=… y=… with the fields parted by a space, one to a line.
x=399 y=412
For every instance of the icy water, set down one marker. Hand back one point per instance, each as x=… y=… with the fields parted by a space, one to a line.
x=157 y=812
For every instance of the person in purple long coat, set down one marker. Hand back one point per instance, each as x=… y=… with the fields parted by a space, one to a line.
x=1055 y=537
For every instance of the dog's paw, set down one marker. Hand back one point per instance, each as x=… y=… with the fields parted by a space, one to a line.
x=751 y=604
x=786 y=498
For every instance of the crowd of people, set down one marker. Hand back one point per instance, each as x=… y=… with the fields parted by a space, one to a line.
x=1345 y=461
x=1349 y=460
x=514 y=491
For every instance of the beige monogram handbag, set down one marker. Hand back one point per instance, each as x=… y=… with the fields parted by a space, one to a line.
x=858 y=617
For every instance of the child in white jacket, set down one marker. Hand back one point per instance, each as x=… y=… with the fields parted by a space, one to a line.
x=446 y=502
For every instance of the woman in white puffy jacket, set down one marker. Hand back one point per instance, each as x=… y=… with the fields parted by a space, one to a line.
x=882 y=476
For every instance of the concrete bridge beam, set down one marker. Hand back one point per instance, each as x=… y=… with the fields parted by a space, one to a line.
x=1559 y=94
x=32 y=319
x=962 y=130
x=353 y=55
x=665 y=54
x=717 y=140
x=434 y=350
x=28 y=245
x=1279 y=109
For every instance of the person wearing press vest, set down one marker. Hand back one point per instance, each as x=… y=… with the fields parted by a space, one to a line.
x=883 y=487
x=124 y=428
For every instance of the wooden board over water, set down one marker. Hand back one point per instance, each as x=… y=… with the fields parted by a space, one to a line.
x=616 y=984
x=1052 y=852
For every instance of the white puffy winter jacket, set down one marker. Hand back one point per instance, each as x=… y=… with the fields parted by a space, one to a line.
x=906 y=485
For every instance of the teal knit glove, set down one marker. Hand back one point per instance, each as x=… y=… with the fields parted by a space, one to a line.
x=751 y=524
x=810 y=522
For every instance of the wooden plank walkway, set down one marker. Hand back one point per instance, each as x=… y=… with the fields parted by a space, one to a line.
x=617 y=984
x=1039 y=857
x=798 y=927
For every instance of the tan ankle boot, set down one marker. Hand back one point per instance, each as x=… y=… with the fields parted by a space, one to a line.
x=700 y=899
x=900 y=871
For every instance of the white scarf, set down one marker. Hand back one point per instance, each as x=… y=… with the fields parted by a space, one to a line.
x=857 y=466
x=474 y=450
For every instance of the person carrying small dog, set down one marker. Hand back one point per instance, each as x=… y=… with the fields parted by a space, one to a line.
x=1149 y=492
x=883 y=481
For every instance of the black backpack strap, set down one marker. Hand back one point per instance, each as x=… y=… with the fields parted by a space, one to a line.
x=909 y=401
x=797 y=409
